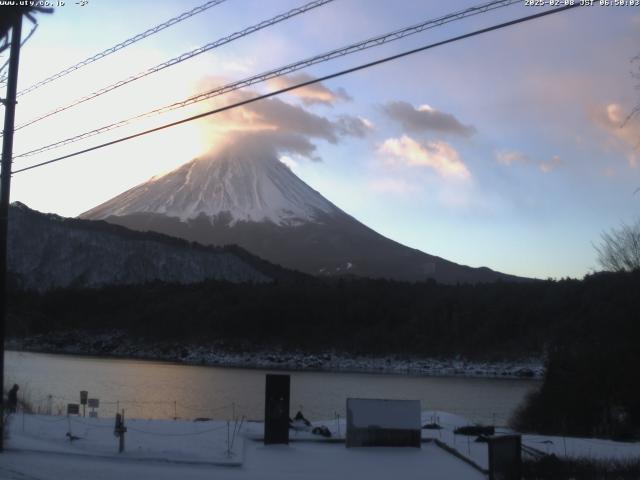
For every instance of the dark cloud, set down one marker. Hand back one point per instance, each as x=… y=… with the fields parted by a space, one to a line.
x=270 y=143
x=425 y=118
x=291 y=118
x=353 y=126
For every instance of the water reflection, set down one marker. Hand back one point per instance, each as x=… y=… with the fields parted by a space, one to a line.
x=163 y=390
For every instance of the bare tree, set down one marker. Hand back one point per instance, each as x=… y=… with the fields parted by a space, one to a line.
x=620 y=248
x=635 y=111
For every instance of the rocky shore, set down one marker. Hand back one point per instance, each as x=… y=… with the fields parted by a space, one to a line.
x=118 y=345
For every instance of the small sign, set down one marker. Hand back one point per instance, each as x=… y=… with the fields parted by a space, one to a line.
x=73 y=409
x=83 y=397
x=94 y=403
x=93 y=414
x=383 y=423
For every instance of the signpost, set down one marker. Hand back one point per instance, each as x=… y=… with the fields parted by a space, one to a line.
x=93 y=404
x=83 y=401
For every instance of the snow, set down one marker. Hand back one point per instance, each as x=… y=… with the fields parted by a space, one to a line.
x=160 y=440
x=193 y=450
x=165 y=449
x=583 y=447
x=477 y=452
x=247 y=187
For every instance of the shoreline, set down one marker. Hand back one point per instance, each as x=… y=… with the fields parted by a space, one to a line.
x=114 y=345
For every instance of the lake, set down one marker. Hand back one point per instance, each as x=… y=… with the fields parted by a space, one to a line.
x=147 y=389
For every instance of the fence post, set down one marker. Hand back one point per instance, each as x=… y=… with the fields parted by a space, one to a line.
x=120 y=430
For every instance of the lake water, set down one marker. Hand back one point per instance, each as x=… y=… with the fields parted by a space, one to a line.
x=147 y=389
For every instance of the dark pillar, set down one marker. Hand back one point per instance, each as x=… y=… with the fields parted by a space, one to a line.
x=505 y=457
x=276 y=409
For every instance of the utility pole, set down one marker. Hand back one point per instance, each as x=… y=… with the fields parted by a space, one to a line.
x=5 y=189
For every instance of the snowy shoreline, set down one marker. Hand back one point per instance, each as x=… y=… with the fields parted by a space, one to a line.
x=116 y=345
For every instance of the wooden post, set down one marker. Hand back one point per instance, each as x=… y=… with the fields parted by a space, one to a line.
x=120 y=430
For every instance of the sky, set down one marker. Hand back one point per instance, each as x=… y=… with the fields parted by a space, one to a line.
x=504 y=150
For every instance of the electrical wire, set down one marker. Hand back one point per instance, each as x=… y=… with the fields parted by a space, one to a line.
x=304 y=84
x=121 y=45
x=280 y=71
x=146 y=432
x=181 y=58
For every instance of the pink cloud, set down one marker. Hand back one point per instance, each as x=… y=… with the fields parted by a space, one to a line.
x=623 y=133
x=509 y=158
x=437 y=155
x=310 y=94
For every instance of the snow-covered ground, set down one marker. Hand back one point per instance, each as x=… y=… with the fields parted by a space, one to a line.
x=38 y=449
x=117 y=344
x=561 y=446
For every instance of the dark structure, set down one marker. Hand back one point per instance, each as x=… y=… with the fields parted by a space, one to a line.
x=276 y=409
x=505 y=457
x=383 y=423
x=12 y=399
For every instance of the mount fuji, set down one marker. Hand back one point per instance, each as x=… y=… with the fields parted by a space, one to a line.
x=242 y=195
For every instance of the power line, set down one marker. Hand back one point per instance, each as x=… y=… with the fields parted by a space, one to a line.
x=124 y=44
x=280 y=71
x=304 y=84
x=181 y=58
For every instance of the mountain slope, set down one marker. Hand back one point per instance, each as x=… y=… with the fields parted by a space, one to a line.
x=47 y=251
x=250 y=191
x=252 y=200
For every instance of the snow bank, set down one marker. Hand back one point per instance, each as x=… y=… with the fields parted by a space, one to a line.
x=117 y=344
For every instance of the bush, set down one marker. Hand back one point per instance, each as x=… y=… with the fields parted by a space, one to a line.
x=551 y=467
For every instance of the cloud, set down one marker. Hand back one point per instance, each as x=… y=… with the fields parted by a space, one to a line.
x=426 y=118
x=277 y=126
x=623 y=132
x=509 y=158
x=550 y=165
x=286 y=117
x=438 y=155
x=354 y=126
x=289 y=162
x=310 y=94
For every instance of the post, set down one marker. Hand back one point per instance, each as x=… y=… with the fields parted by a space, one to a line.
x=5 y=187
x=120 y=430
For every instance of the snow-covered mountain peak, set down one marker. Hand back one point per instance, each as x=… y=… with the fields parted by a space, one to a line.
x=248 y=185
